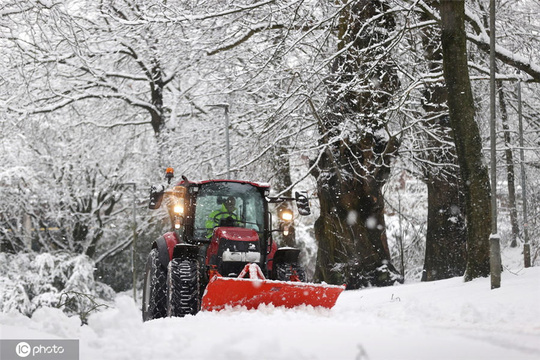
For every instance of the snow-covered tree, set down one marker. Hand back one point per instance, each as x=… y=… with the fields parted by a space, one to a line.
x=98 y=94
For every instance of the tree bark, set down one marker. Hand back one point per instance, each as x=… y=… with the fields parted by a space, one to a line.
x=355 y=163
x=473 y=171
x=445 y=239
x=445 y=254
x=510 y=171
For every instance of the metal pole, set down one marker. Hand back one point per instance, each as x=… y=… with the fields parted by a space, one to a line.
x=133 y=248
x=227 y=150
x=27 y=231
x=227 y=143
x=526 y=246
x=133 y=245
x=493 y=123
x=495 y=245
x=401 y=237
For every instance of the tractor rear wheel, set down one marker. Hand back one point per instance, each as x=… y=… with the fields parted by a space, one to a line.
x=287 y=271
x=183 y=285
x=155 y=288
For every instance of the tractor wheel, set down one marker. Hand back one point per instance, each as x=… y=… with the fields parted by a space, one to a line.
x=183 y=285
x=155 y=288
x=284 y=272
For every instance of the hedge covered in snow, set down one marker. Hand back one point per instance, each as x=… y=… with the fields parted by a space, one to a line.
x=29 y=281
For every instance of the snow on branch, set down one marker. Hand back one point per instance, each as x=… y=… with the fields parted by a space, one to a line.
x=110 y=126
x=481 y=39
x=246 y=37
x=509 y=58
x=143 y=19
x=238 y=9
x=67 y=101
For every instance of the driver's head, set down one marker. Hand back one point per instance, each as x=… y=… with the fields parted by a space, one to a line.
x=230 y=203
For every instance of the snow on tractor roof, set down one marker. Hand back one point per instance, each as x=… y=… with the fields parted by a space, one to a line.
x=200 y=182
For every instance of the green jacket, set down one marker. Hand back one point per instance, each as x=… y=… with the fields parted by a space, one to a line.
x=216 y=216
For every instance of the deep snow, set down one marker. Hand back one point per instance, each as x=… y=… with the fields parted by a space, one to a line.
x=446 y=319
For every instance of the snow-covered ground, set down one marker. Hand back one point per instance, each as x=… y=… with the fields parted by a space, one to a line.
x=446 y=319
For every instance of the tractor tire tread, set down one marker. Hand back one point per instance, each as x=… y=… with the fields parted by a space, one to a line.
x=183 y=287
x=157 y=299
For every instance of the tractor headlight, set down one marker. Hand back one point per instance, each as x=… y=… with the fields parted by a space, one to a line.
x=286 y=215
x=178 y=209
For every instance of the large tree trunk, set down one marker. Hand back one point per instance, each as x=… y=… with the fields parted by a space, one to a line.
x=473 y=171
x=445 y=239
x=446 y=254
x=355 y=162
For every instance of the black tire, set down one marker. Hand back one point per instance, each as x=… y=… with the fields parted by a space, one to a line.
x=284 y=271
x=154 y=304
x=183 y=284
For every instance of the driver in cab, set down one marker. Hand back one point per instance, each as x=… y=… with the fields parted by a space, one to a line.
x=225 y=216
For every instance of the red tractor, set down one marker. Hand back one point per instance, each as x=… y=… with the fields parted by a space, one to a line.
x=221 y=232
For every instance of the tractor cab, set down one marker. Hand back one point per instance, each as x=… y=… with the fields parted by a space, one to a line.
x=229 y=204
x=229 y=219
x=231 y=216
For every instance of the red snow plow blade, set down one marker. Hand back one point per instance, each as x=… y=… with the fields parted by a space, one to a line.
x=256 y=290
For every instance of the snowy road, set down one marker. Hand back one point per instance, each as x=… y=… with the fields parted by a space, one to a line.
x=441 y=320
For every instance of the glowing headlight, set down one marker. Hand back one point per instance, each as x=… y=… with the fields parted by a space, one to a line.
x=178 y=209
x=287 y=215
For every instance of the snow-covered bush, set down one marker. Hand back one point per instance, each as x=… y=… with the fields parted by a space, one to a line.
x=29 y=281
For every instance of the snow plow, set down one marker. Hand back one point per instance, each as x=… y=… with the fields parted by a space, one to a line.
x=220 y=253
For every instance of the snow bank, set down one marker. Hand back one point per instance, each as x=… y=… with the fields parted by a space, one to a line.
x=446 y=319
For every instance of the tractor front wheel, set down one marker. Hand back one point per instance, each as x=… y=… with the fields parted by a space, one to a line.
x=290 y=272
x=155 y=288
x=183 y=285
